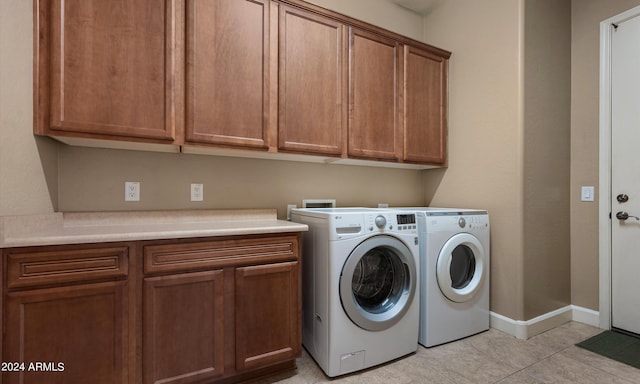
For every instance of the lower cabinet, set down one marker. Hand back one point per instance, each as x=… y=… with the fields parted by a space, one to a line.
x=267 y=313
x=212 y=310
x=183 y=332
x=66 y=315
x=220 y=310
x=67 y=335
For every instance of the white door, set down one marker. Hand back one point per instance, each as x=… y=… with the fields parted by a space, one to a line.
x=625 y=176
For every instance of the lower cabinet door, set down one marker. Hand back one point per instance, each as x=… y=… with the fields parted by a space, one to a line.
x=74 y=334
x=182 y=327
x=268 y=309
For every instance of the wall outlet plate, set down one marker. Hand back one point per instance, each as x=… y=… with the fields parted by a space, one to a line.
x=131 y=191
x=197 y=192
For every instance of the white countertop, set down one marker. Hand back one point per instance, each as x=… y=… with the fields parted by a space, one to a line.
x=100 y=227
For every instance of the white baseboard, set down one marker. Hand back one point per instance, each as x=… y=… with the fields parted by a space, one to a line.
x=529 y=328
x=586 y=316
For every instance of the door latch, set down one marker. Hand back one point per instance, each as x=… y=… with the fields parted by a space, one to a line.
x=624 y=216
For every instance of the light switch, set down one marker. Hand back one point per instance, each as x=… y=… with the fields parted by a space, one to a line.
x=588 y=194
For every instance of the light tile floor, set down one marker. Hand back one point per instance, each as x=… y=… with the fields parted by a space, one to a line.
x=489 y=357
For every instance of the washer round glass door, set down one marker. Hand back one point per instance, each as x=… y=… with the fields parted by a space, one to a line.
x=378 y=282
x=460 y=267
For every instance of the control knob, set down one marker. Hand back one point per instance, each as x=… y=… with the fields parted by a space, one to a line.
x=380 y=221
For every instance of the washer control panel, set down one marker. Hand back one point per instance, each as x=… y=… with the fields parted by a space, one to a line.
x=394 y=222
x=380 y=221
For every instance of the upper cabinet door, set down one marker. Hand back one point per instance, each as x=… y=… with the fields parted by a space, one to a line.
x=228 y=72
x=425 y=127
x=373 y=96
x=106 y=68
x=312 y=84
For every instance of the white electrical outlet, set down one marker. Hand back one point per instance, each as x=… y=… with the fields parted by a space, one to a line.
x=131 y=191
x=197 y=192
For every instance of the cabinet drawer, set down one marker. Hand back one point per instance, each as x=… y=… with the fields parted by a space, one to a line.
x=46 y=266
x=191 y=256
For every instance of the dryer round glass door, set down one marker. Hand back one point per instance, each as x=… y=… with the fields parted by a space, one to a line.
x=460 y=267
x=378 y=282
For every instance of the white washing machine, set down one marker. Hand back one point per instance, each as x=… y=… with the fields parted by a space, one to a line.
x=455 y=256
x=360 y=286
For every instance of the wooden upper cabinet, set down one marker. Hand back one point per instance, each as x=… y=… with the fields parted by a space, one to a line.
x=312 y=83
x=227 y=84
x=425 y=97
x=373 y=94
x=107 y=69
x=274 y=76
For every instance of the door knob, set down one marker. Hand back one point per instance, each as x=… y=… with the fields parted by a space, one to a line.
x=622 y=198
x=624 y=216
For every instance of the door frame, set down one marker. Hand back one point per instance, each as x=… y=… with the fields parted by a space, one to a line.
x=604 y=190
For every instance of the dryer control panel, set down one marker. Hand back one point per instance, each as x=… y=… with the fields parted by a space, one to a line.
x=471 y=221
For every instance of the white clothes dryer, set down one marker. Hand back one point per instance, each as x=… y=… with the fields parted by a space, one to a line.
x=360 y=286
x=455 y=264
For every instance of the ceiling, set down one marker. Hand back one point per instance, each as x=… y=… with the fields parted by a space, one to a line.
x=420 y=6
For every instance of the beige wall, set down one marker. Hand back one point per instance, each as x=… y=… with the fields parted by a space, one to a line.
x=529 y=259
x=485 y=131
x=509 y=141
x=547 y=136
x=27 y=166
x=586 y=18
x=93 y=179
x=382 y=13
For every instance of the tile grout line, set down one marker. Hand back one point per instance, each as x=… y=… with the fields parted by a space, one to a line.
x=530 y=365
